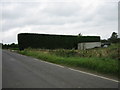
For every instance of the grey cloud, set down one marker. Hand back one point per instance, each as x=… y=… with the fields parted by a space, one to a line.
x=69 y=17
x=63 y=9
x=108 y=11
x=18 y=10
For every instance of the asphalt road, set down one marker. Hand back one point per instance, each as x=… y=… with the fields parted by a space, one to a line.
x=21 y=71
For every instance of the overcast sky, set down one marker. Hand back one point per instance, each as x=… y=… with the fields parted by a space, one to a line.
x=66 y=17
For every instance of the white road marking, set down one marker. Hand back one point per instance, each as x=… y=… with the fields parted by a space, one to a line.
x=54 y=64
x=36 y=59
x=79 y=71
x=93 y=75
x=50 y=63
x=59 y=65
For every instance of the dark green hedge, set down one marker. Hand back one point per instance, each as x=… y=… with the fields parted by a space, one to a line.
x=47 y=41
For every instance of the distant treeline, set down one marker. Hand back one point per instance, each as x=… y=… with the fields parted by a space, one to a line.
x=46 y=41
x=10 y=46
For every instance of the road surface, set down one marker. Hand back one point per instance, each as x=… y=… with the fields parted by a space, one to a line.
x=21 y=71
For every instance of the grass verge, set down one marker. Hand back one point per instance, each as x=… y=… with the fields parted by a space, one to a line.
x=101 y=65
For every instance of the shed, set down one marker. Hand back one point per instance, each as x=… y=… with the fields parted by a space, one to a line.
x=88 y=45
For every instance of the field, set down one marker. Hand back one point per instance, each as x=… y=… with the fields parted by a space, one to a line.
x=100 y=60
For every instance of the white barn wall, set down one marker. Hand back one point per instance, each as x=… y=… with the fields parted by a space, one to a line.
x=88 y=45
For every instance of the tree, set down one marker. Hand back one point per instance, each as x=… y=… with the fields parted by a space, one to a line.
x=113 y=38
x=79 y=34
x=114 y=35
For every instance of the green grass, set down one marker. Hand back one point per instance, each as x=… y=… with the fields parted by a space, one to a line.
x=110 y=52
x=75 y=58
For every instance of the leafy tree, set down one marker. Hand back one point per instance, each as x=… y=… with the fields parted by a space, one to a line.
x=114 y=35
x=79 y=34
x=113 y=38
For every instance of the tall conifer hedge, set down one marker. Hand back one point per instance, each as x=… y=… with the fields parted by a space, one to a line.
x=46 y=41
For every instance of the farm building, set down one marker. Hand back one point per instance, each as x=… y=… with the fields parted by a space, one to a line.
x=47 y=41
x=88 y=45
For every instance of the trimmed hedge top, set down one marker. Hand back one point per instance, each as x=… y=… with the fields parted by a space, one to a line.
x=47 y=41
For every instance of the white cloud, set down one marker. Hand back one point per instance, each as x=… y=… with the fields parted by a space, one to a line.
x=89 y=17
